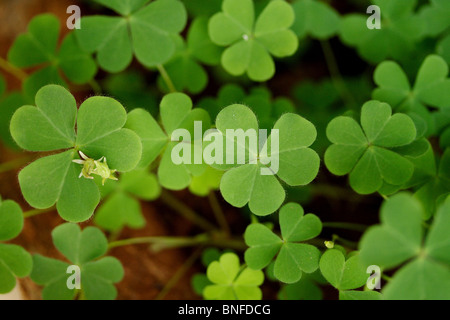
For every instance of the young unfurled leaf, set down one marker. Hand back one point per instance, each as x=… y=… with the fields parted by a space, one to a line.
x=431 y=89
x=232 y=282
x=315 y=18
x=38 y=47
x=400 y=30
x=50 y=126
x=369 y=156
x=293 y=257
x=400 y=242
x=83 y=249
x=142 y=30
x=245 y=183
x=121 y=207
x=14 y=260
x=176 y=113
x=251 y=44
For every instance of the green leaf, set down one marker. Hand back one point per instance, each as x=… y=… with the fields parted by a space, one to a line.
x=315 y=18
x=82 y=248
x=246 y=183
x=51 y=126
x=230 y=283
x=123 y=7
x=251 y=44
x=360 y=295
x=341 y=273
x=38 y=47
x=430 y=89
x=48 y=126
x=138 y=32
x=52 y=274
x=400 y=30
x=79 y=246
x=293 y=258
x=11 y=220
x=369 y=156
x=399 y=242
x=14 y=262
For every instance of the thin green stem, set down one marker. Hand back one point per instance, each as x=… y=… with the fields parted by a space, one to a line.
x=179 y=274
x=164 y=243
x=35 y=212
x=347 y=243
x=185 y=211
x=345 y=226
x=218 y=212
x=166 y=78
x=16 y=72
x=336 y=76
x=14 y=164
x=96 y=87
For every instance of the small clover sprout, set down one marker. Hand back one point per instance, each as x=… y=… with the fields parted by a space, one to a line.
x=97 y=167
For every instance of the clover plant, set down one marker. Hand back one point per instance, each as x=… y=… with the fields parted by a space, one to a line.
x=201 y=126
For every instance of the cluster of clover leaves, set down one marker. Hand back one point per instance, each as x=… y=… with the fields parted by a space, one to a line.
x=100 y=158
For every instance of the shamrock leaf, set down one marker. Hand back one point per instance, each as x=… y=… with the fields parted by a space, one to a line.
x=341 y=273
x=315 y=18
x=436 y=185
x=121 y=207
x=369 y=156
x=251 y=44
x=432 y=88
x=400 y=241
x=184 y=68
x=9 y=103
x=400 y=30
x=143 y=30
x=305 y=289
x=436 y=14
x=83 y=249
x=176 y=113
x=38 y=47
x=14 y=260
x=246 y=183
x=293 y=258
x=50 y=126
x=232 y=282
x=198 y=8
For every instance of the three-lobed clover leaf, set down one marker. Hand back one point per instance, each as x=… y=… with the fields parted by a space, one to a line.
x=245 y=183
x=50 y=126
x=431 y=89
x=184 y=68
x=38 y=47
x=176 y=113
x=315 y=18
x=14 y=260
x=346 y=274
x=293 y=257
x=368 y=154
x=83 y=249
x=400 y=241
x=121 y=206
x=400 y=30
x=251 y=44
x=436 y=183
x=230 y=281
x=207 y=182
x=143 y=30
